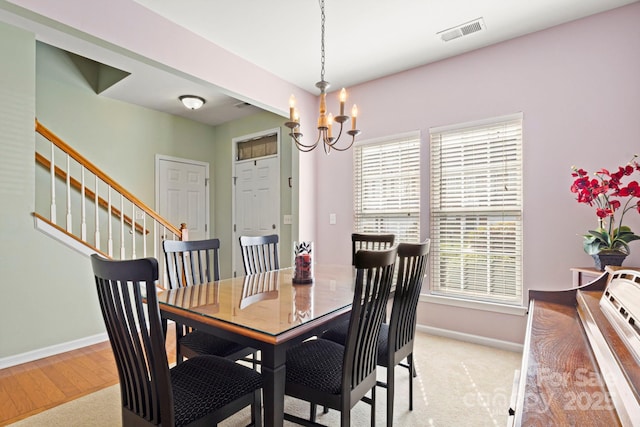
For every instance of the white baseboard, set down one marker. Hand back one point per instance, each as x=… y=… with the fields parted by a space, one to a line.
x=30 y=356
x=475 y=339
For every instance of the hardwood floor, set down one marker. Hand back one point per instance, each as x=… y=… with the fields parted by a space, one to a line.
x=36 y=386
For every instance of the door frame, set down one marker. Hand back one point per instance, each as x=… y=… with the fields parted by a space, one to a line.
x=234 y=162
x=207 y=203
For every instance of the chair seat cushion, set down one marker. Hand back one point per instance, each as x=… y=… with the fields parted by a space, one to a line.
x=204 y=343
x=316 y=364
x=338 y=334
x=204 y=384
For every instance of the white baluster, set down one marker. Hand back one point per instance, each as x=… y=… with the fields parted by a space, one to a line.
x=52 y=172
x=144 y=235
x=109 y=224
x=83 y=220
x=163 y=265
x=97 y=232
x=133 y=230
x=122 y=251
x=156 y=228
x=69 y=218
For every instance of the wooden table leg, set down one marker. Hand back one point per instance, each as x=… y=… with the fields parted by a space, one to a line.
x=274 y=377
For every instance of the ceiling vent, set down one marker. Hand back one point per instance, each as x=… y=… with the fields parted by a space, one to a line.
x=462 y=30
x=241 y=105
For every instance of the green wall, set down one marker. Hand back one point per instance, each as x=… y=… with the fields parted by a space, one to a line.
x=48 y=293
x=121 y=139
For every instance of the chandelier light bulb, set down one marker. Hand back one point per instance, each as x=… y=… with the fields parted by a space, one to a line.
x=292 y=107
x=354 y=115
x=343 y=99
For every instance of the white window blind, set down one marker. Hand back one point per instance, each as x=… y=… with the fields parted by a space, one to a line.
x=476 y=210
x=387 y=187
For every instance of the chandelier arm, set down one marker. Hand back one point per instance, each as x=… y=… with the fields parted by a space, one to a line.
x=335 y=140
x=304 y=147
x=333 y=146
x=327 y=147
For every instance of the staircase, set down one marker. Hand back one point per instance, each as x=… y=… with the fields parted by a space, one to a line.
x=84 y=208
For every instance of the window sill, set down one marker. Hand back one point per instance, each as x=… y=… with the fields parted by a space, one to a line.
x=475 y=305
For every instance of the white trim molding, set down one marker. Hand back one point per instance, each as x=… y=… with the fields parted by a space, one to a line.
x=474 y=305
x=474 y=339
x=49 y=230
x=30 y=356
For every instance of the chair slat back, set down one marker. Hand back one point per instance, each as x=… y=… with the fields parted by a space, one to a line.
x=259 y=287
x=370 y=242
x=259 y=253
x=374 y=275
x=192 y=262
x=412 y=267
x=136 y=336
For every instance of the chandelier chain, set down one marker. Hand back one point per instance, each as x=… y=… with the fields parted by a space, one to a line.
x=322 y=19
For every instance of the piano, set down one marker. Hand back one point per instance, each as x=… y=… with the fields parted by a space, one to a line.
x=581 y=358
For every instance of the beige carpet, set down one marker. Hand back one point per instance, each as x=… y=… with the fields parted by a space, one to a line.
x=458 y=384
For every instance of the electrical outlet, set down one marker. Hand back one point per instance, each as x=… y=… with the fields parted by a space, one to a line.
x=332 y=219
x=287 y=219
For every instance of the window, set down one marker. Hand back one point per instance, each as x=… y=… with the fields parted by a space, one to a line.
x=387 y=187
x=476 y=210
x=261 y=146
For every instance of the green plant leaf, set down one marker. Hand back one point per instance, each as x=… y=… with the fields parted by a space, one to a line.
x=601 y=235
x=591 y=248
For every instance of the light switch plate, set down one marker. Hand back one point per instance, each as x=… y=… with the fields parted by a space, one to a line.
x=332 y=219
x=287 y=219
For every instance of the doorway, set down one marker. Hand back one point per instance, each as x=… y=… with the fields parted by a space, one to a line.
x=182 y=194
x=256 y=192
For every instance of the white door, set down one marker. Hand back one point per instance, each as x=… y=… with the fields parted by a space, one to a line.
x=257 y=201
x=183 y=194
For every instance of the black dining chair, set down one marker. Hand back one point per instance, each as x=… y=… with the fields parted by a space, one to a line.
x=326 y=373
x=192 y=263
x=200 y=391
x=397 y=337
x=370 y=242
x=259 y=253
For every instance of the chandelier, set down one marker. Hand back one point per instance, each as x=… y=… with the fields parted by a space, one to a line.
x=325 y=121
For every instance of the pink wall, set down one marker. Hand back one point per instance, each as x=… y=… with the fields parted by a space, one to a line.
x=578 y=86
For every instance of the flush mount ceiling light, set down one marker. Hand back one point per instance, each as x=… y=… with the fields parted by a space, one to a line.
x=324 y=121
x=192 y=102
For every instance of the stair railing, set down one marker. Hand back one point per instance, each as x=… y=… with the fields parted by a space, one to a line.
x=95 y=204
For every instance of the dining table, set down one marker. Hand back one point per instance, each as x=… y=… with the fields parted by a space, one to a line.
x=267 y=312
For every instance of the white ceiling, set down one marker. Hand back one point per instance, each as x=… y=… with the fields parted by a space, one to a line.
x=365 y=40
